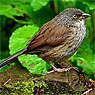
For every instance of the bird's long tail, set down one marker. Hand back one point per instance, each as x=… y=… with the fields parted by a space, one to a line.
x=8 y=59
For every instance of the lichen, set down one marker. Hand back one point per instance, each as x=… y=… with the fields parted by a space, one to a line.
x=23 y=88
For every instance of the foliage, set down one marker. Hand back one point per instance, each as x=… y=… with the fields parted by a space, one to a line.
x=38 y=4
x=25 y=17
x=22 y=35
x=32 y=62
x=89 y=4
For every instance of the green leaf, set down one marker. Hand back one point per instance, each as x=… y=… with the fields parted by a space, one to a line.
x=18 y=41
x=33 y=63
x=90 y=4
x=14 y=9
x=9 y=11
x=11 y=1
x=88 y=67
x=20 y=37
x=42 y=16
x=38 y=4
x=23 y=13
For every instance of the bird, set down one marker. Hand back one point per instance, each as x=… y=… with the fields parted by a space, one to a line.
x=56 y=40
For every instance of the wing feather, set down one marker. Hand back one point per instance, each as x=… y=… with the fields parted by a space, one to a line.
x=49 y=34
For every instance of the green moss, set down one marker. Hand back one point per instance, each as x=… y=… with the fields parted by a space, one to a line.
x=23 y=88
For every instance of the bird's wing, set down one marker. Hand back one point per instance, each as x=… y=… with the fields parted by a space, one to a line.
x=49 y=34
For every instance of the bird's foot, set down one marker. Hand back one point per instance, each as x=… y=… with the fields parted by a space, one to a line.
x=63 y=69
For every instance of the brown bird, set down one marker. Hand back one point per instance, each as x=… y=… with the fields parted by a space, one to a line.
x=56 y=40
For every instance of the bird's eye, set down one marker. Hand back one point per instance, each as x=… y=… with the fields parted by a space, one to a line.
x=74 y=16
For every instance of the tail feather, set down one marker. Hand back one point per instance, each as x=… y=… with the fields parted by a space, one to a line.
x=8 y=59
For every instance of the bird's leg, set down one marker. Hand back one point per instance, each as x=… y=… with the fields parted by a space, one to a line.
x=59 y=69
x=54 y=68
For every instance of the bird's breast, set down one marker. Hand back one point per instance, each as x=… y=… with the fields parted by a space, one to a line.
x=68 y=47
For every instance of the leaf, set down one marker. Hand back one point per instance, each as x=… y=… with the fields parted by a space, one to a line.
x=42 y=16
x=88 y=67
x=90 y=4
x=20 y=37
x=13 y=9
x=11 y=1
x=18 y=41
x=9 y=11
x=38 y=4
x=33 y=63
x=22 y=12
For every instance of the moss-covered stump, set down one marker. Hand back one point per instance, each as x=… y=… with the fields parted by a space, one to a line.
x=69 y=83
x=55 y=83
x=23 y=88
x=15 y=73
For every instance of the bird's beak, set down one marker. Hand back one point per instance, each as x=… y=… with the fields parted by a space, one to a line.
x=86 y=15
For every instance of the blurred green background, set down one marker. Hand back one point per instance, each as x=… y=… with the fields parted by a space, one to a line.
x=20 y=19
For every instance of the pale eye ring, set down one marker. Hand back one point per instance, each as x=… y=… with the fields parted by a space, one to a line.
x=74 y=16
